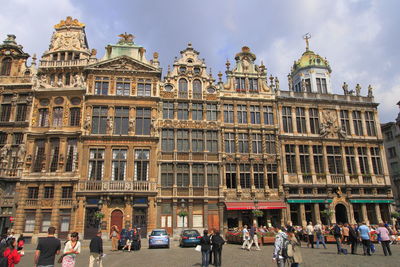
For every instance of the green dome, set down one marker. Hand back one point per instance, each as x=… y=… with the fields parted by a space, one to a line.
x=310 y=60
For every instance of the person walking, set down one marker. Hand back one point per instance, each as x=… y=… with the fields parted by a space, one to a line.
x=246 y=238
x=385 y=239
x=294 y=252
x=96 y=250
x=11 y=253
x=71 y=249
x=353 y=237
x=135 y=239
x=114 y=236
x=345 y=231
x=253 y=237
x=47 y=249
x=365 y=238
x=310 y=235
x=319 y=234
x=211 y=235
x=217 y=243
x=20 y=242
x=280 y=239
x=205 y=249
x=337 y=234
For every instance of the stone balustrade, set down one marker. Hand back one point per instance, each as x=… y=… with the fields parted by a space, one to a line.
x=117 y=186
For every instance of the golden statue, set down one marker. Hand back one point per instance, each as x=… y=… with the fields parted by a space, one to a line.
x=126 y=38
x=306 y=37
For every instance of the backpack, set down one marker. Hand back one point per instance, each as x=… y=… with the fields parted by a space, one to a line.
x=336 y=230
x=285 y=248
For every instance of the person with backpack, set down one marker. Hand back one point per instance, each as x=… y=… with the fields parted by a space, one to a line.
x=205 y=244
x=11 y=253
x=293 y=250
x=385 y=239
x=280 y=248
x=337 y=234
x=320 y=236
x=353 y=237
x=365 y=238
x=217 y=243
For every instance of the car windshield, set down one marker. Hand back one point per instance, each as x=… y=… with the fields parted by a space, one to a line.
x=158 y=233
x=191 y=232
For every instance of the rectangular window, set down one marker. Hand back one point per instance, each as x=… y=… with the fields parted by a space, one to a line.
x=101 y=85
x=198 y=175
x=74 y=117
x=143 y=121
x=212 y=112
x=5 y=112
x=43 y=117
x=240 y=84
x=121 y=120
x=358 y=130
x=253 y=85
x=38 y=164
x=255 y=115
x=57 y=116
x=55 y=151
x=308 y=85
x=30 y=222
x=256 y=143
x=123 y=86
x=243 y=143
x=48 y=192
x=72 y=154
x=301 y=120
x=370 y=123
x=197 y=141
x=3 y=139
x=96 y=164
x=99 y=119
x=392 y=152
x=344 y=121
x=18 y=138
x=182 y=175
x=168 y=110
x=21 y=112
x=46 y=221
x=167 y=174
x=229 y=142
x=167 y=144
x=376 y=160
x=197 y=112
x=350 y=160
x=290 y=158
x=270 y=143
x=183 y=111
x=245 y=176
x=144 y=87
x=242 y=113
x=33 y=192
x=272 y=175
x=258 y=173
x=268 y=115
x=334 y=159
x=363 y=160
x=304 y=159
x=314 y=120
x=287 y=119
x=228 y=113
x=182 y=140
x=118 y=164
x=389 y=136
x=230 y=175
x=212 y=175
x=142 y=162
x=212 y=141
x=321 y=85
x=66 y=192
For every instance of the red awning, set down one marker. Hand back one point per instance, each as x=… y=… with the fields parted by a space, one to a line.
x=262 y=205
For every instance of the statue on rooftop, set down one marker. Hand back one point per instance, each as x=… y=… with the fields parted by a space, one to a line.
x=345 y=88
x=358 y=89
x=370 y=94
x=126 y=38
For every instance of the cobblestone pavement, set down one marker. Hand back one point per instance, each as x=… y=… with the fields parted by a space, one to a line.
x=232 y=256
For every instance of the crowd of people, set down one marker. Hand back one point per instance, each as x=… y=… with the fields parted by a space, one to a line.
x=211 y=247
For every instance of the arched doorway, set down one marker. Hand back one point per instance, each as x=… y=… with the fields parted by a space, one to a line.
x=341 y=213
x=117 y=219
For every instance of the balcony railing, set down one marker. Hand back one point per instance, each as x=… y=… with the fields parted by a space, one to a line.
x=11 y=172
x=367 y=179
x=116 y=186
x=307 y=179
x=337 y=179
x=64 y=63
x=31 y=202
x=66 y=202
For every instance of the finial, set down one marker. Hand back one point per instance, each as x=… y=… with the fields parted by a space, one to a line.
x=190 y=44
x=227 y=64
x=220 y=76
x=169 y=68
x=34 y=59
x=306 y=37
x=210 y=72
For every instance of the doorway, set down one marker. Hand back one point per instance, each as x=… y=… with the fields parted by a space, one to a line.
x=341 y=213
x=140 y=220
x=116 y=219
x=91 y=223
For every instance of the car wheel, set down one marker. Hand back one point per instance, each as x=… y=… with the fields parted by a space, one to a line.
x=168 y=245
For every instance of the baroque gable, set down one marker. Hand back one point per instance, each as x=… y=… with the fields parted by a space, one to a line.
x=122 y=63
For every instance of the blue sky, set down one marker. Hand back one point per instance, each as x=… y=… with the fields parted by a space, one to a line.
x=359 y=38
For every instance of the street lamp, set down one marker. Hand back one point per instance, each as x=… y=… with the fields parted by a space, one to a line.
x=327 y=211
x=183 y=212
x=98 y=214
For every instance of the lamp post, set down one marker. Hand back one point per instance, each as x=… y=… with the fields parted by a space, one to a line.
x=327 y=211
x=99 y=215
x=183 y=212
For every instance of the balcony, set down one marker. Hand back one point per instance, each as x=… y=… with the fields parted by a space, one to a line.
x=117 y=186
x=64 y=63
x=10 y=172
x=66 y=202
x=31 y=202
x=337 y=178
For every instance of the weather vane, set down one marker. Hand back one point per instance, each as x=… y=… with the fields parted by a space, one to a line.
x=306 y=37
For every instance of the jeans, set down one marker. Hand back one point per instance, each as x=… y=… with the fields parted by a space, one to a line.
x=217 y=257
x=321 y=238
x=386 y=247
x=205 y=258
x=338 y=244
x=280 y=262
x=310 y=240
x=366 y=246
x=353 y=245
x=294 y=264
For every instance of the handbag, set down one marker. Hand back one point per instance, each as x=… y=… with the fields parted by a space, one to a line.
x=198 y=248
x=60 y=259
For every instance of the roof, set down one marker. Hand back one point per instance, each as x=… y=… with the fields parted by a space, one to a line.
x=309 y=59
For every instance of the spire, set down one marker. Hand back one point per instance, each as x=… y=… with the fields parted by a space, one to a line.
x=306 y=37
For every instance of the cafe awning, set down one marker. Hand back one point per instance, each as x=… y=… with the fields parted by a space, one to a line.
x=309 y=200
x=250 y=205
x=371 y=200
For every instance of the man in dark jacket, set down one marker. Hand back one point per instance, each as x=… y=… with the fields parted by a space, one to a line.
x=217 y=243
x=337 y=233
x=205 y=243
x=353 y=237
x=96 y=250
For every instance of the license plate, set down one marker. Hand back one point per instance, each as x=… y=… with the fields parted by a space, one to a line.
x=192 y=238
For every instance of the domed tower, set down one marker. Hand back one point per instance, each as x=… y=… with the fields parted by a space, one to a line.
x=311 y=73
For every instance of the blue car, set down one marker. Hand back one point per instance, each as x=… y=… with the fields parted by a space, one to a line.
x=159 y=238
x=189 y=238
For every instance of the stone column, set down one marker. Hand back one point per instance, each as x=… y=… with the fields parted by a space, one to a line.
x=378 y=213
x=307 y=116
x=80 y=216
x=294 y=125
x=55 y=213
x=221 y=217
x=288 y=215
x=351 y=212
x=373 y=177
x=190 y=214
x=205 y=214
x=303 y=215
x=364 y=213
x=325 y=158
x=317 y=214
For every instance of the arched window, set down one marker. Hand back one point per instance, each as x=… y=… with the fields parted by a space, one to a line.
x=183 y=88
x=6 y=66
x=197 y=91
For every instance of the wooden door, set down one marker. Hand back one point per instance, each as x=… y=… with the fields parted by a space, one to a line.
x=166 y=223
x=117 y=219
x=213 y=222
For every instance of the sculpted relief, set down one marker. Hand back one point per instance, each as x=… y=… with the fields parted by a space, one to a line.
x=329 y=127
x=67 y=41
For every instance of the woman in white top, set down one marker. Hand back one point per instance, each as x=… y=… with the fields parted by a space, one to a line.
x=71 y=249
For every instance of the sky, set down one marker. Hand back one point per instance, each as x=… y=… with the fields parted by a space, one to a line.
x=360 y=38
